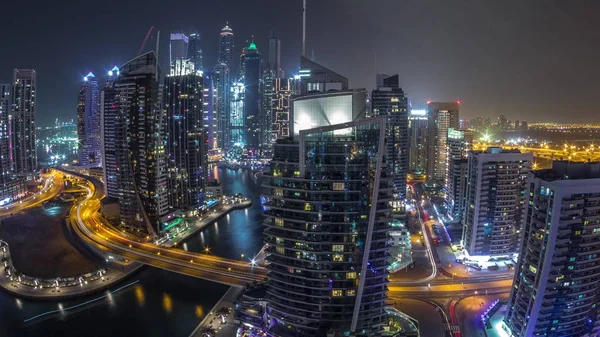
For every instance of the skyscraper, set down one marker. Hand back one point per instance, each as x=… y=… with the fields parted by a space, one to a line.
x=185 y=140
x=194 y=53
x=417 y=124
x=88 y=122
x=252 y=101
x=142 y=175
x=178 y=47
x=389 y=100
x=459 y=143
x=496 y=184
x=266 y=110
x=328 y=244
x=555 y=288
x=442 y=115
x=209 y=112
x=221 y=85
x=281 y=109
x=274 y=61
x=5 y=132
x=316 y=78
x=23 y=121
x=237 y=119
x=226 y=46
x=112 y=128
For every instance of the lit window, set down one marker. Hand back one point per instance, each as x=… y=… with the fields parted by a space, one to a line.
x=296 y=173
x=307 y=207
x=278 y=192
x=337 y=248
x=338 y=186
x=280 y=250
x=532 y=269
x=351 y=275
x=279 y=222
x=351 y=292
x=338 y=257
x=279 y=241
x=572 y=259
x=336 y=292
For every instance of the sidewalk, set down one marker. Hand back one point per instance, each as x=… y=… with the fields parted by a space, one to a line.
x=212 y=320
x=210 y=217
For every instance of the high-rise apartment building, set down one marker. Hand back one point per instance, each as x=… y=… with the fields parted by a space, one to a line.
x=274 y=60
x=88 y=122
x=5 y=132
x=252 y=64
x=555 y=288
x=222 y=87
x=390 y=100
x=226 y=46
x=113 y=125
x=23 y=121
x=266 y=109
x=140 y=151
x=178 y=47
x=418 y=133
x=495 y=201
x=185 y=140
x=328 y=245
x=459 y=143
x=194 y=52
x=442 y=115
x=209 y=116
x=237 y=118
x=281 y=109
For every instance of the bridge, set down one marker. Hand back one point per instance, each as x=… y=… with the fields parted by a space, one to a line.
x=95 y=231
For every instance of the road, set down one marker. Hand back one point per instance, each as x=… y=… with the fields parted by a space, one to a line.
x=431 y=317
x=53 y=184
x=89 y=223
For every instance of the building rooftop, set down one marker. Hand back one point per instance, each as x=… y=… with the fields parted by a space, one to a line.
x=568 y=170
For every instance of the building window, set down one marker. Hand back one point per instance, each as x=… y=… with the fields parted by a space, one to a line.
x=337 y=248
x=351 y=275
x=338 y=186
x=532 y=269
x=338 y=257
x=307 y=207
x=278 y=192
x=336 y=292
x=351 y=292
x=279 y=222
x=280 y=250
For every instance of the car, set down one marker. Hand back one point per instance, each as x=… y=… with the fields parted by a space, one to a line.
x=459 y=261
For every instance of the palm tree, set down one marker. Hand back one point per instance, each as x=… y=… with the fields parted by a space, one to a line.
x=207 y=331
x=222 y=312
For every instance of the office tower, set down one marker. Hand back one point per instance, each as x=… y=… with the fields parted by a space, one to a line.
x=502 y=123
x=459 y=143
x=226 y=46
x=389 y=100
x=5 y=132
x=274 y=61
x=142 y=175
x=242 y=64
x=237 y=117
x=186 y=146
x=209 y=115
x=496 y=184
x=23 y=121
x=88 y=122
x=178 y=47
x=330 y=108
x=252 y=64
x=221 y=85
x=517 y=125
x=267 y=97
x=555 y=287
x=417 y=124
x=316 y=78
x=524 y=126
x=327 y=245
x=113 y=125
x=194 y=52
x=442 y=115
x=281 y=109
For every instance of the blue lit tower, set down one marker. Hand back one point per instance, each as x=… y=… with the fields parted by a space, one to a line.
x=186 y=146
x=88 y=122
x=252 y=104
x=226 y=46
x=194 y=52
x=178 y=47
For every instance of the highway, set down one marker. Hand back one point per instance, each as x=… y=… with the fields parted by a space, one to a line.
x=53 y=184
x=96 y=232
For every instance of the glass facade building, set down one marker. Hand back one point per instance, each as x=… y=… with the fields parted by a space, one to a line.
x=194 y=53
x=327 y=218
x=442 y=116
x=417 y=124
x=88 y=122
x=237 y=117
x=459 y=143
x=24 y=155
x=252 y=79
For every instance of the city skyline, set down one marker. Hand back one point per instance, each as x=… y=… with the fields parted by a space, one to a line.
x=441 y=62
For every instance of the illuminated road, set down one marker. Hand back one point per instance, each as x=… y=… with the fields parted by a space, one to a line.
x=96 y=232
x=53 y=184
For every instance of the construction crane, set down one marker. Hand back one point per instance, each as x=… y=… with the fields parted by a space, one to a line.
x=145 y=40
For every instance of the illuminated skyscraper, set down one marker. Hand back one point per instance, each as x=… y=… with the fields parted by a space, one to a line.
x=389 y=100
x=178 y=47
x=209 y=112
x=23 y=121
x=5 y=141
x=195 y=51
x=237 y=117
x=316 y=78
x=417 y=124
x=252 y=101
x=88 y=122
x=142 y=174
x=442 y=115
x=112 y=127
x=460 y=142
x=327 y=259
x=221 y=100
x=185 y=140
x=266 y=110
x=226 y=46
x=274 y=61
x=281 y=109
x=495 y=201
x=555 y=287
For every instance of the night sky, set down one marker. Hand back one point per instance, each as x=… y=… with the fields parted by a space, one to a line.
x=533 y=60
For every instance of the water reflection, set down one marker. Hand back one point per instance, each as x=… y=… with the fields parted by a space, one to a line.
x=139 y=295
x=167 y=303
x=199 y=311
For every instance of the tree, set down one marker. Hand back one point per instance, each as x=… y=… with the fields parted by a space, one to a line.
x=222 y=312
x=207 y=331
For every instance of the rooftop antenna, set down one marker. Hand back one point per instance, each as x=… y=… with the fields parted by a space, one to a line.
x=304 y=29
